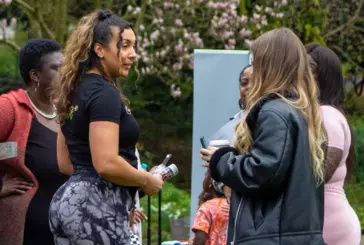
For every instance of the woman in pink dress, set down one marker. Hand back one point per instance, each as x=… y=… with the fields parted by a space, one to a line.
x=341 y=224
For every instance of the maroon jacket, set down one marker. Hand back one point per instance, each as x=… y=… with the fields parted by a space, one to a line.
x=16 y=115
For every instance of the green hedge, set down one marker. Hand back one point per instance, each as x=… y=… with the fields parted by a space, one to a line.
x=357 y=125
x=355 y=195
x=175 y=205
x=8 y=62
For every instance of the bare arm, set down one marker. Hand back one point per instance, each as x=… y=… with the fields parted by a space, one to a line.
x=64 y=162
x=104 y=142
x=336 y=127
x=334 y=156
x=200 y=238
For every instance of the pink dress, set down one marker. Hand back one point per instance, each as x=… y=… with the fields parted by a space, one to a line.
x=341 y=224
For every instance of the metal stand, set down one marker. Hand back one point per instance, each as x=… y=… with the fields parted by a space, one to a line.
x=160 y=218
x=149 y=222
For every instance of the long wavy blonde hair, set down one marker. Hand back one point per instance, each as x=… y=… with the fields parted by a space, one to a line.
x=80 y=56
x=281 y=67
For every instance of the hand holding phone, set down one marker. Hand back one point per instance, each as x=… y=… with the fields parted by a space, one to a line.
x=203 y=142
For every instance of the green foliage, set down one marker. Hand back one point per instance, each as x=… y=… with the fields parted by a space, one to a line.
x=354 y=105
x=175 y=205
x=9 y=75
x=306 y=19
x=8 y=62
x=355 y=195
x=344 y=33
x=357 y=125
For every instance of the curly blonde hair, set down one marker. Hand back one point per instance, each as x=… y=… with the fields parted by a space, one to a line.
x=281 y=67
x=80 y=56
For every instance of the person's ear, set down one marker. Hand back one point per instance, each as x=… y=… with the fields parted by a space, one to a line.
x=99 y=50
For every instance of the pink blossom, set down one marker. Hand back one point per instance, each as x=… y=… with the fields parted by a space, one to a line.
x=186 y=57
x=226 y=34
x=243 y=19
x=232 y=41
x=228 y=47
x=154 y=35
x=268 y=10
x=164 y=52
x=186 y=35
x=257 y=7
x=245 y=33
x=175 y=67
x=280 y=15
x=168 y=5
x=129 y=8
x=264 y=22
x=179 y=22
x=137 y=10
x=256 y=16
x=7 y=1
x=3 y=22
x=155 y=21
x=146 y=59
x=248 y=43
x=175 y=92
x=159 y=11
x=179 y=48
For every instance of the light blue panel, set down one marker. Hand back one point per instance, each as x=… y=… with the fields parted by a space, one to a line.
x=215 y=100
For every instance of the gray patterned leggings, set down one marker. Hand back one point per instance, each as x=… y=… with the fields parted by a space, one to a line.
x=88 y=210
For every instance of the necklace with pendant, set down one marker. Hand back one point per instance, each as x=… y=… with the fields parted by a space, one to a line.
x=43 y=114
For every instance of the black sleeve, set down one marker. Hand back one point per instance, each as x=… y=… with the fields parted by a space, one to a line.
x=105 y=104
x=266 y=165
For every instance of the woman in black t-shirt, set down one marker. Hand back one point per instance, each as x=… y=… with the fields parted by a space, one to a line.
x=96 y=144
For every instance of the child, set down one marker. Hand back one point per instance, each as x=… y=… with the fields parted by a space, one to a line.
x=212 y=217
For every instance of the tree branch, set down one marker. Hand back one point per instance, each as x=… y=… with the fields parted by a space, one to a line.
x=6 y=41
x=351 y=21
x=34 y=12
x=139 y=21
x=25 y=6
x=347 y=57
x=10 y=44
x=45 y=29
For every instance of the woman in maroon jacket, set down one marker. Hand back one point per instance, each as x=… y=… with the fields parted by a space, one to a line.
x=28 y=118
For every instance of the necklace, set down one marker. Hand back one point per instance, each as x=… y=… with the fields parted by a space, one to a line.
x=43 y=114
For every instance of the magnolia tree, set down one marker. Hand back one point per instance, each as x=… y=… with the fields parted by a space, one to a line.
x=169 y=30
x=7 y=28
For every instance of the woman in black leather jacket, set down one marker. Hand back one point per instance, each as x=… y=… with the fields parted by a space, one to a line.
x=275 y=169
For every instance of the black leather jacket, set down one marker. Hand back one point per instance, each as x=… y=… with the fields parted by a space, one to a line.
x=275 y=198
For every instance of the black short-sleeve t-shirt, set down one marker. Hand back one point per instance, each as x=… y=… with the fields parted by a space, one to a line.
x=97 y=100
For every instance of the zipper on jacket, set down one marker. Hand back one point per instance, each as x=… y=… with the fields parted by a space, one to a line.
x=236 y=220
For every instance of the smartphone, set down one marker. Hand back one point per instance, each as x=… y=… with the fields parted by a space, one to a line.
x=203 y=142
